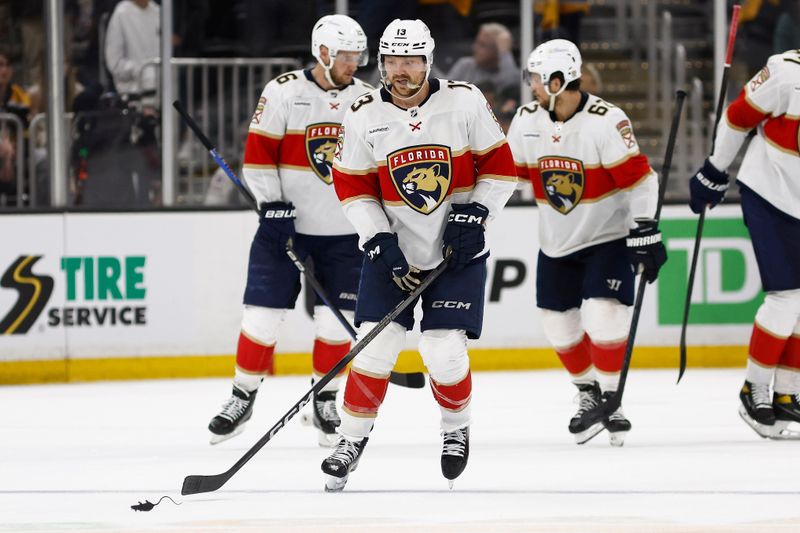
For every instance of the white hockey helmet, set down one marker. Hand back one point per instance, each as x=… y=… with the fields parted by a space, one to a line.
x=338 y=33
x=557 y=55
x=406 y=38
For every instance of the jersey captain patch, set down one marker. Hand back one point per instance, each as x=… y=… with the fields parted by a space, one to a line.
x=321 y=139
x=563 y=181
x=421 y=175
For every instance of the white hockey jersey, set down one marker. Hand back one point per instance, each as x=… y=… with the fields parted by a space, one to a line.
x=290 y=147
x=769 y=102
x=589 y=179
x=398 y=170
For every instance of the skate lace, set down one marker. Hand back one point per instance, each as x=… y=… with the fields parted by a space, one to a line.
x=346 y=451
x=617 y=415
x=761 y=395
x=329 y=412
x=455 y=442
x=586 y=401
x=234 y=408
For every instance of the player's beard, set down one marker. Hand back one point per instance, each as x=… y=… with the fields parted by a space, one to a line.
x=344 y=79
x=411 y=87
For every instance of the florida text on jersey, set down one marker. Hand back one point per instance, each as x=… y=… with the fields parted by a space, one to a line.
x=588 y=176
x=290 y=148
x=770 y=102
x=414 y=163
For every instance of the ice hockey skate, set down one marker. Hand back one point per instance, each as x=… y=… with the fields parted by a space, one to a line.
x=455 y=453
x=616 y=424
x=325 y=418
x=787 y=416
x=236 y=411
x=588 y=421
x=756 y=409
x=341 y=462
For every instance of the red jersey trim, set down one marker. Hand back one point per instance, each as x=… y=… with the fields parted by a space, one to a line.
x=351 y=187
x=781 y=132
x=743 y=114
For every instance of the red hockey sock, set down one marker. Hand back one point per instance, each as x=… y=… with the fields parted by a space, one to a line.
x=790 y=357
x=607 y=357
x=765 y=347
x=363 y=394
x=253 y=357
x=576 y=359
x=453 y=397
x=326 y=354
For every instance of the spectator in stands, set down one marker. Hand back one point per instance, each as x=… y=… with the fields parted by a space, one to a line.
x=133 y=39
x=14 y=100
x=491 y=59
x=561 y=19
x=590 y=79
x=787 y=30
x=758 y=21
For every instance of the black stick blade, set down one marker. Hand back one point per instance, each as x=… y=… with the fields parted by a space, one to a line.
x=200 y=484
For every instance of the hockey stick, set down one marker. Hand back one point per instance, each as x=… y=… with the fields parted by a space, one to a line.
x=615 y=401
x=723 y=89
x=197 y=484
x=413 y=380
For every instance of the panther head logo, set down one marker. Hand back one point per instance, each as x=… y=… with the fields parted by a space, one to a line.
x=563 y=180
x=421 y=175
x=563 y=187
x=321 y=147
x=323 y=155
x=428 y=183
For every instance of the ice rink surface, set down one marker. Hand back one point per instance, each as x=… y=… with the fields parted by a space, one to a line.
x=76 y=457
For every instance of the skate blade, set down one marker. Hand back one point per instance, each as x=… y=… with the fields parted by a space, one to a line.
x=327 y=440
x=617 y=438
x=335 y=484
x=451 y=482
x=784 y=430
x=585 y=436
x=216 y=439
x=763 y=431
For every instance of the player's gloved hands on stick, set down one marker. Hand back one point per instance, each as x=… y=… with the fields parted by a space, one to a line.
x=465 y=233
x=383 y=249
x=645 y=249
x=276 y=224
x=707 y=187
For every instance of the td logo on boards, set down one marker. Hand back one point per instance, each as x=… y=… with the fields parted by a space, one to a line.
x=727 y=286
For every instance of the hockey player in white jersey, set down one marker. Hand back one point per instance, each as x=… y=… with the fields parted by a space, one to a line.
x=422 y=165
x=770 y=192
x=287 y=165
x=597 y=197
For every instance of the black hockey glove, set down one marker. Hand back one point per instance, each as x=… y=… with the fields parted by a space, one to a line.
x=646 y=250
x=465 y=233
x=707 y=187
x=383 y=249
x=276 y=225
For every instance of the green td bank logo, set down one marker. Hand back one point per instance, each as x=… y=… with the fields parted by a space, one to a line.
x=727 y=286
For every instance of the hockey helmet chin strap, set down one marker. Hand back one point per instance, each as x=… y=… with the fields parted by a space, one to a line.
x=552 y=105
x=327 y=69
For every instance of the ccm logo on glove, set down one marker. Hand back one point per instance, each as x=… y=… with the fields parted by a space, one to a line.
x=465 y=218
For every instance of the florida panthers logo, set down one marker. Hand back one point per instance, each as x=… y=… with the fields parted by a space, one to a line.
x=421 y=175
x=321 y=147
x=563 y=181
